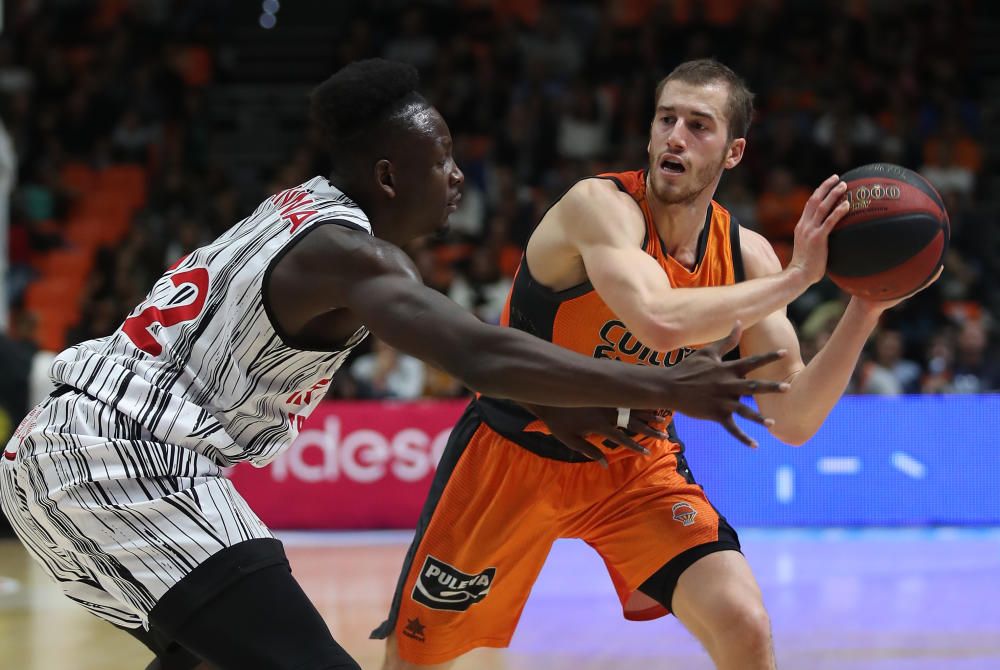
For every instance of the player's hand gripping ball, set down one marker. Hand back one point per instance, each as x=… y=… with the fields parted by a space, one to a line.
x=893 y=240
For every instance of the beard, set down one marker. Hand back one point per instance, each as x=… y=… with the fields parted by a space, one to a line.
x=694 y=184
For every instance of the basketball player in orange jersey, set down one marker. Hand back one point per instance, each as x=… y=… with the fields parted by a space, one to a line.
x=642 y=267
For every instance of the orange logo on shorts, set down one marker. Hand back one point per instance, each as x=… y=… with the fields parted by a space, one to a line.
x=684 y=513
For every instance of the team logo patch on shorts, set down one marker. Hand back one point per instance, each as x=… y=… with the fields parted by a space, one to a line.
x=684 y=513
x=443 y=587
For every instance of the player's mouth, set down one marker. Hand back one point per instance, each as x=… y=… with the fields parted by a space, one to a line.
x=453 y=203
x=672 y=166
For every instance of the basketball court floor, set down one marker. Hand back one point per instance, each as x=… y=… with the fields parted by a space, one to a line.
x=845 y=599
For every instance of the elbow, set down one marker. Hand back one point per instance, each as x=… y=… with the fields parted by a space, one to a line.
x=794 y=436
x=662 y=336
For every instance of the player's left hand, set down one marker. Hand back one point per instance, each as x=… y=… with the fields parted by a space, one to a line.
x=572 y=426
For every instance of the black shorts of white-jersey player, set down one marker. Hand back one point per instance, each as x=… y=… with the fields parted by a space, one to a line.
x=114 y=483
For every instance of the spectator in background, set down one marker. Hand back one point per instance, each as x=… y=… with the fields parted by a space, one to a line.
x=482 y=289
x=870 y=378
x=952 y=158
x=736 y=196
x=536 y=97
x=583 y=124
x=412 y=44
x=974 y=372
x=17 y=351
x=889 y=357
x=844 y=121
x=131 y=138
x=778 y=210
x=789 y=148
x=940 y=364
x=387 y=373
x=550 y=47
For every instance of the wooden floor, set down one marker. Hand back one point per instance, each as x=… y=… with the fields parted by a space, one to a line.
x=912 y=600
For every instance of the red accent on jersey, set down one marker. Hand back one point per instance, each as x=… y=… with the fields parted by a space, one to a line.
x=137 y=327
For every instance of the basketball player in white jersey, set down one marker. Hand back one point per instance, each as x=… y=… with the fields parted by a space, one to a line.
x=114 y=483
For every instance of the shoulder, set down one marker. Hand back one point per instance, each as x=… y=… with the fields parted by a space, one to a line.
x=596 y=208
x=596 y=189
x=759 y=259
x=339 y=247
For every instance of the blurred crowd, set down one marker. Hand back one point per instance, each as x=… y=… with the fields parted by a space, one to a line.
x=538 y=94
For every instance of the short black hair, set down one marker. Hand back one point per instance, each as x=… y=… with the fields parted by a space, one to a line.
x=360 y=97
x=739 y=108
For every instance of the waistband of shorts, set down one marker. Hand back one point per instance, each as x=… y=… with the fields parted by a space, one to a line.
x=509 y=420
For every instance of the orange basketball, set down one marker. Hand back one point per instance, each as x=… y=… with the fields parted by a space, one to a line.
x=893 y=240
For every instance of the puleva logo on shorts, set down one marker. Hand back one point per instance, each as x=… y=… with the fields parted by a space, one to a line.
x=443 y=587
x=684 y=513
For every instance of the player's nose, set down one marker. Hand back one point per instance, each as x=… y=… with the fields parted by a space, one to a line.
x=676 y=138
x=676 y=145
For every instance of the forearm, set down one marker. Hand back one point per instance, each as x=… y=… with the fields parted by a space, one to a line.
x=508 y=363
x=814 y=390
x=698 y=315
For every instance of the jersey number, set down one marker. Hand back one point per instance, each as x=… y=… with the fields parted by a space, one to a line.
x=136 y=328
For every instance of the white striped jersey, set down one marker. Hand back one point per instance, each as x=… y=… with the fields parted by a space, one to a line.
x=199 y=363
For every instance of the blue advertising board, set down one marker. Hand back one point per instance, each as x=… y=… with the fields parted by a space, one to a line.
x=876 y=461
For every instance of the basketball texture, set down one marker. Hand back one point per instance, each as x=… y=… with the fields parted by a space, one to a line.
x=893 y=240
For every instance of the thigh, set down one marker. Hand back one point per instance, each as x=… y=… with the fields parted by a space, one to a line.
x=242 y=608
x=651 y=529
x=39 y=530
x=169 y=655
x=482 y=539
x=712 y=589
x=135 y=516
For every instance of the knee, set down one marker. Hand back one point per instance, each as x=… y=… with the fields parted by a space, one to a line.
x=392 y=659
x=394 y=662
x=744 y=622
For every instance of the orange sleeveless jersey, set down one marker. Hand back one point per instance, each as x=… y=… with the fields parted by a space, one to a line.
x=578 y=318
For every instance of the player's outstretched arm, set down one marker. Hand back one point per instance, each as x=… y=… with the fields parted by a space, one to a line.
x=633 y=285
x=815 y=388
x=335 y=268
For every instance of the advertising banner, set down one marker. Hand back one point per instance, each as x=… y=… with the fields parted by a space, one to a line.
x=877 y=461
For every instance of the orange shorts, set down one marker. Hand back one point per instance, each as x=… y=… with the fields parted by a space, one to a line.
x=490 y=519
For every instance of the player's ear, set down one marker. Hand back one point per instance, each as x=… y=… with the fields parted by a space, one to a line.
x=735 y=154
x=385 y=177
